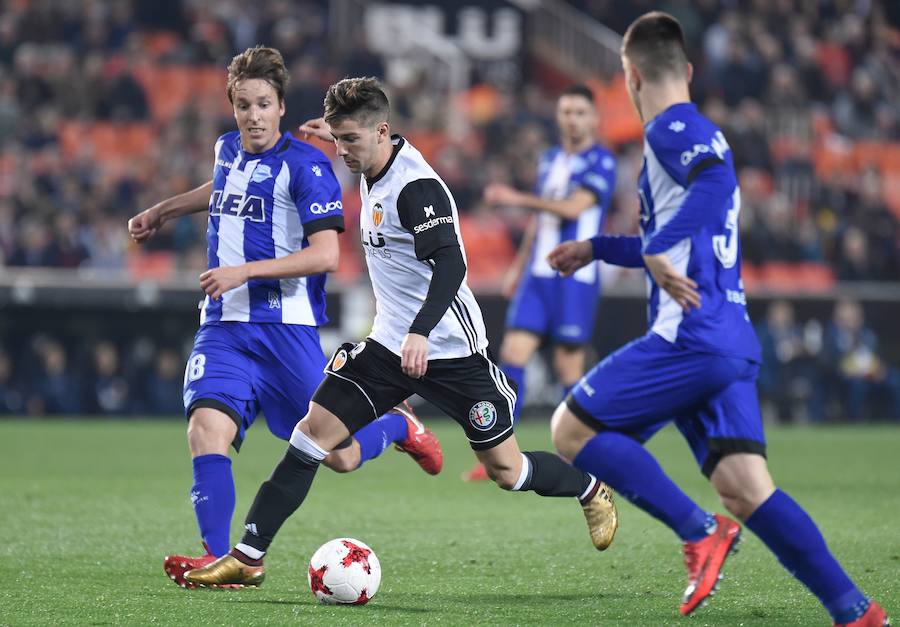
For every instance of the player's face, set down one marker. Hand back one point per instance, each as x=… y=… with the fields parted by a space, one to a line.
x=576 y=117
x=358 y=144
x=258 y=112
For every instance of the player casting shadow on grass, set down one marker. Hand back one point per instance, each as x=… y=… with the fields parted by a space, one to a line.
x=697 y=366
x=274 y=216
x=428 y=338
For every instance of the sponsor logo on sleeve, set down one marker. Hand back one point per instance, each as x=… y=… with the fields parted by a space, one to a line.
x=318 y=208
x=316 y=170
x=677 y=126
x=433 y=222
x=717 y=145
x=429 y=211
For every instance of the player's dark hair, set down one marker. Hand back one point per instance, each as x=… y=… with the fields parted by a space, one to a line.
x=359 y=98
x=654 y=44
x=258 y=62
x=579 y=90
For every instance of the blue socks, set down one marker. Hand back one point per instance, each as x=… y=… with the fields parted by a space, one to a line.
x=377 y=436
x=213 y=498
x=798 y=544
x=632 y=471
x=516 y=374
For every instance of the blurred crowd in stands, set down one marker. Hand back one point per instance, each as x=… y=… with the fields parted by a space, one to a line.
x=107 y=107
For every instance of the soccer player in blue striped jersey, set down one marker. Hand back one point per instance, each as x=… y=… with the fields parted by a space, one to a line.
x=574 y=188
x=698 y=364
x=274 y=217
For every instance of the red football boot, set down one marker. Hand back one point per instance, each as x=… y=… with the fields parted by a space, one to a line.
x=875 y=616
x=478 y=473
x=704 y=559
x=177 y=565
x=420 y=443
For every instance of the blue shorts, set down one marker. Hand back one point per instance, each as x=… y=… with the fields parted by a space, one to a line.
x=560 y=308
x=646 y=384
x=241 y=368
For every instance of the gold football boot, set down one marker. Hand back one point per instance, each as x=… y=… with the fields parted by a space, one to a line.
x=602 y=517
x=227 y=571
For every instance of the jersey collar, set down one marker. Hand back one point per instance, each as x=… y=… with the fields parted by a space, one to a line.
x=279 y=146
x=398 y=142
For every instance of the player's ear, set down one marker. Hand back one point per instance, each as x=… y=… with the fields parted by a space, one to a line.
x=690 y=72
x=281 y=107
x=384 y=132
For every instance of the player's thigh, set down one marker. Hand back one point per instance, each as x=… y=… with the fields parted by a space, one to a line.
x=475 y=393
x=518 y=346
x=362 y=382
x=727 y=422
x=217 y=376
x=644 y=385
x=529 y=309
x=289 y=369
x=574 y=310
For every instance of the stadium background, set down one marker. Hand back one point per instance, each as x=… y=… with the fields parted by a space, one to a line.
x=109 y=107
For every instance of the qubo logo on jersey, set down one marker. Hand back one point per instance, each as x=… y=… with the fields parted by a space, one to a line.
x=261 y=173
x=483 y=415
x=433 y=222
x=251 y=208
x=318 y=208
x=717 y=145
x=377 y=214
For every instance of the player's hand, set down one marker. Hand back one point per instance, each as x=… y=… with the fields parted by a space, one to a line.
x=217 y=281
x=317 y=127
x=144 y=225
x=500 y=194
x=570 y=256
x=683 y=289
x=414 y=355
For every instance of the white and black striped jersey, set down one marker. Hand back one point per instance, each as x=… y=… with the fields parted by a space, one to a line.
x=407 y=214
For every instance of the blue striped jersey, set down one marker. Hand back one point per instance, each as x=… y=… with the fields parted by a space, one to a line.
x=680 y=144
x=560 y=174
x=265 y=206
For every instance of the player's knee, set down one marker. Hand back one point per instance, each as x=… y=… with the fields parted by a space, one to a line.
x=564 y=433
x=339 y=463
x=503 y=475
x=207 y=436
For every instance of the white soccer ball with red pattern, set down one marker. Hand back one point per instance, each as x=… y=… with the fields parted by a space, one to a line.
x=344 y=571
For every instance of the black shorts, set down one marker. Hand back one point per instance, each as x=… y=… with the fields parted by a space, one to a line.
x=365 y=380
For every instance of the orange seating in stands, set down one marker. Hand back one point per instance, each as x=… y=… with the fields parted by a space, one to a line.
x=751 y=276
x=156 y=265
x=489 y=248
x=806 y=277
x=159 y=43
x=619 y=122
x=110 y=141
x=833 y=156
x=168 y=88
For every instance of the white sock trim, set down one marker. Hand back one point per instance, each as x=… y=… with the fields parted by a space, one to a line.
x=589 y=488
x=523 y=475
x=303 y=442
x=249 y=551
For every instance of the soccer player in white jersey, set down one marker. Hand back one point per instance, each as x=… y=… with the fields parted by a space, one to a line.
x=428 y=338
x=575 y=182
x=697 y=365
x=274 y=217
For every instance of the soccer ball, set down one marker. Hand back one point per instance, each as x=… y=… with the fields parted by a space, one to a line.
x=344 y=570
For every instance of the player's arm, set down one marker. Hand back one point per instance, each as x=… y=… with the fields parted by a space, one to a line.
x=144 y=225
x=322 y=255
x=425 y=211
x=568 y=208
x=514 y=274
x=710 y=186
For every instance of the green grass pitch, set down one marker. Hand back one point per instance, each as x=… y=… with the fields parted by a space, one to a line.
x=89 y=509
